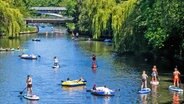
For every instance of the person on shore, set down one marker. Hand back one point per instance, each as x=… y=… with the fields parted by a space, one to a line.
x=56 y=61
x=176 y=77
x=154 y=73
x=29 y=85
x=144 y=80
x=77 y=35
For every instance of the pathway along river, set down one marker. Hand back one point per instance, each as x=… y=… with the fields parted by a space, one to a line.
x=75 y=59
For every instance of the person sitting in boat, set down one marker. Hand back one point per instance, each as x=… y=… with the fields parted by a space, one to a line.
x=29 y=85
x=68 y=79
x=154 y=73
x=176 y=75
x=81 y=79
x=56 y=61
x=144 y=80
x=94 y=87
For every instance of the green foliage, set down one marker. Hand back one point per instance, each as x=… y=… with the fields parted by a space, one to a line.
x=71 y=26
x=11 y=19
x=136 y=25
x=70 y=5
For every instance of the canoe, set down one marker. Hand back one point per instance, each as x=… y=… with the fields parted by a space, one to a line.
x=72 y=83
x=144 y=91
x=102 y=91
x=177 y=89
x=33 y=97
x=27 y=56
x=154 y=82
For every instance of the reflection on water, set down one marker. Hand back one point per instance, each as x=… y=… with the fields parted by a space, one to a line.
x=76 y=88
x=32 y=102
x=154 y=94
x=144 y=98
x=176 y=97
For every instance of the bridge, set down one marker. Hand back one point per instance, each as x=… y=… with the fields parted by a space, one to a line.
x=48 y=20
x=49 y=11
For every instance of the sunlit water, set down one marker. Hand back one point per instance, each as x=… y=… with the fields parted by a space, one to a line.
x=75 y=59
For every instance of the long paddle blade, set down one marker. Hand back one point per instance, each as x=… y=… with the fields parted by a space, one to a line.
x=22 y=90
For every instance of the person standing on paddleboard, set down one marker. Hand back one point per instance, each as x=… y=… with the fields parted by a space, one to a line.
x=94 y=58
x=176 y=77
x=144 y=80
x=56 y=61
x=154 y=73
x=29 y=85
x=94 y=65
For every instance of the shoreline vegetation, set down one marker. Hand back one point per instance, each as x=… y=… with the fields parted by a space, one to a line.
x=30 y=30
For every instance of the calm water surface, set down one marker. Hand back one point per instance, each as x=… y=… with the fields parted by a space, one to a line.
x=75 y=59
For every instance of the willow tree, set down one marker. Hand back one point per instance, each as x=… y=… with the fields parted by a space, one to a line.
x=120 y=14
x=95 y=16
x=11 y=19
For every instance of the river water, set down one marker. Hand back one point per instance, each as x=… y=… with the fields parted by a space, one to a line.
x=75 y=59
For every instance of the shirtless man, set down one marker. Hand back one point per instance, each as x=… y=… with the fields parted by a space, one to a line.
x=176 y=75
x=29 y=85
x=144 y=80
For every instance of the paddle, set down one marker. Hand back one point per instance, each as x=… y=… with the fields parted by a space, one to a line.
x=88 y=90
x=22 y=91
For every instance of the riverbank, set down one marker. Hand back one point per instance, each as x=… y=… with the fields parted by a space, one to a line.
x=30 y=30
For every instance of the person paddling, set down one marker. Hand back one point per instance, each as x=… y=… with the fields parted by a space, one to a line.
x=29 y=85
x=154 y=73
x=94 y=58
x=144 y=80
x=176 y=77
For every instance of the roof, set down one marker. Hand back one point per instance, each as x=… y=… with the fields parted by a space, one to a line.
x=49 y=8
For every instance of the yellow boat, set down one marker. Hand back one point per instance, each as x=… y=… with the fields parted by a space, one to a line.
x=72 y=83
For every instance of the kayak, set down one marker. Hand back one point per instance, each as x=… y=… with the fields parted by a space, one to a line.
x=36 y=39
x=177 y=89
x=27 y=56
x=33 y=97
x=154 y=82
x=72 y=83
x=102 y=91
x=144 y=91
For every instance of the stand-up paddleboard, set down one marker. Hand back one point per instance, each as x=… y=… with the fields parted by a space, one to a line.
x=56 y=66
x=33 y=97
x=173 y=88
x=144 y=91
x=154 y=82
